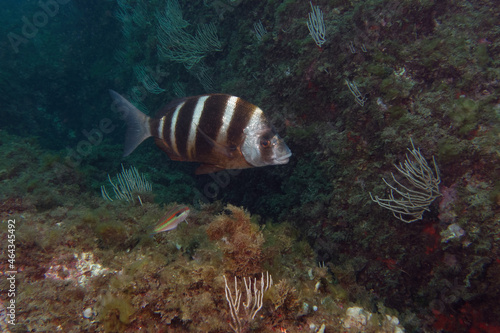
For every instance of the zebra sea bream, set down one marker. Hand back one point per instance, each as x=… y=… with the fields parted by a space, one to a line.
x=219 y=131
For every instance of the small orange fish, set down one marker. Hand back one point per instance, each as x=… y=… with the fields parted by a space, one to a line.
x=172 y=219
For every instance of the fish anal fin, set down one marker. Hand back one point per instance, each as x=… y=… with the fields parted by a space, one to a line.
x=207 y=168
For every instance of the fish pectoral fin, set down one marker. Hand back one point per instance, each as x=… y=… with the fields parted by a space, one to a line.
x=225 y=150
x=207 y=168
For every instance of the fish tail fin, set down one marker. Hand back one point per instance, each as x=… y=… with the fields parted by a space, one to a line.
x=138 y=128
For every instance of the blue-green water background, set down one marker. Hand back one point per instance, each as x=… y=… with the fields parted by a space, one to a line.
x=427 y=70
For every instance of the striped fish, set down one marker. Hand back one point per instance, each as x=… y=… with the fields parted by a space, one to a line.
x=171 y=220
x=220 y=131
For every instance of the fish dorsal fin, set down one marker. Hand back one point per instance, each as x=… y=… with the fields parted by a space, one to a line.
x=169 y=107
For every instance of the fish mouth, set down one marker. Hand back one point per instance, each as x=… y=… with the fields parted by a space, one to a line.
x=283 y=159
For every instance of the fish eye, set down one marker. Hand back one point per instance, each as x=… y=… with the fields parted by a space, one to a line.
x=265 y=143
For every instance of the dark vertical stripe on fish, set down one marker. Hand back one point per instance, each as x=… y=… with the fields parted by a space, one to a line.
x=242 y=114
x=153 y=128
x=211 y=122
